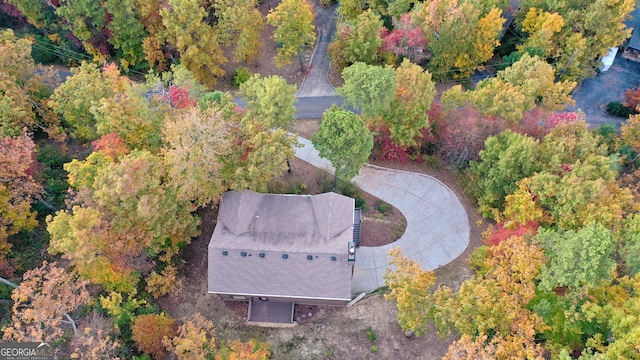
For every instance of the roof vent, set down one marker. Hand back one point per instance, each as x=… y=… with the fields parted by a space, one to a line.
x=285 y=256
x=225 y=253
x=244 y=253
x=261 y=255
x=333 y=258
x=309 y=257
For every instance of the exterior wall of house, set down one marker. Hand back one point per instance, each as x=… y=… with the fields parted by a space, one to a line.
x=329 y=302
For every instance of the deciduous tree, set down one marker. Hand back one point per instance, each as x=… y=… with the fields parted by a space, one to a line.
x=193 y=340
x=576 y=258
x=197 y=141
x=270 y=100
x=362 y=40
x=410 y=288
x=43 y=304
x=407 y=114
x=368 y=87
x=196 y=40
x=86 y=86
x=18 y=188
x=149 y=330
x=135 y=118
x=460 y=134
x=406 y=39
x=293 y=20
x=95 y=339
x=344 y=140
x=458 y=36
x=240 y=23
x=23 y=90
x=506 y=159
x=515 y=90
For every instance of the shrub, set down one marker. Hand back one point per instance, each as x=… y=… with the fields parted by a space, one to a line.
x=616 y=108
x=383 y=207
x=241 y=76
x=371 y=334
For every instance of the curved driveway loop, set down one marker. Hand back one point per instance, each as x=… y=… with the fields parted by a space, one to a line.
x=437 y=224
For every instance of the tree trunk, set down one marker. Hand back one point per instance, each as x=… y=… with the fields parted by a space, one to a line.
x=335 y=182
x=46 y=204
x=301 y=63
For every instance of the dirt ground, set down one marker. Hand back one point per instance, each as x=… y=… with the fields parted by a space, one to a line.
x=367 y=330
x=264 y=64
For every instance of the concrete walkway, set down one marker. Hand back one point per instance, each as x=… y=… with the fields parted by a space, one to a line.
x=437 y=224
x=316 y=82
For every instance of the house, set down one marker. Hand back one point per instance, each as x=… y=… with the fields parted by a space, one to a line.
x=278 y=250
x=632 y=49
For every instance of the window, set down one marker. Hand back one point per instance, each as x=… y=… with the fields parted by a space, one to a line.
x=285 y=256
x=244 y=253
x=261 y=255
x=309 y=257
x=225 y=253
x=333 y=258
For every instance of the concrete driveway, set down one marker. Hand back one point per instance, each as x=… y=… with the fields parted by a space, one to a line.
x=437 y=223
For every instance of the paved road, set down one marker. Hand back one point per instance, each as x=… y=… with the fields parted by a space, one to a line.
x=595 y=93
x=437 y=223
x=316 y=83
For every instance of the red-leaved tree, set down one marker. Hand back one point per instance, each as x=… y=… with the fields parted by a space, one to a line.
x=179 y=98
x=406 y=39
x=112 y=145
x=459 y=135
x=499 y=232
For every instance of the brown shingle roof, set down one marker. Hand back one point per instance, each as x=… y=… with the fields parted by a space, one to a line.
x=300 y=226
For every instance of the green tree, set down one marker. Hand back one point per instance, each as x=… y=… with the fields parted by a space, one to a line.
x=24 y=90
x=197 y=41
x=459 y=37
x=576 y=258
x=407 y=114
x=344 y=140
x=240 y=23
x=368 y=87
x=516 y=90
x=293 y=20
x=506 y=159
x=590 y=28
x=87 y=20
x=74 y=98
x=128 y=215
x=630 y=244
x=363 y=40
x=136 y=118
x=270 y=100
x=127 y=31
